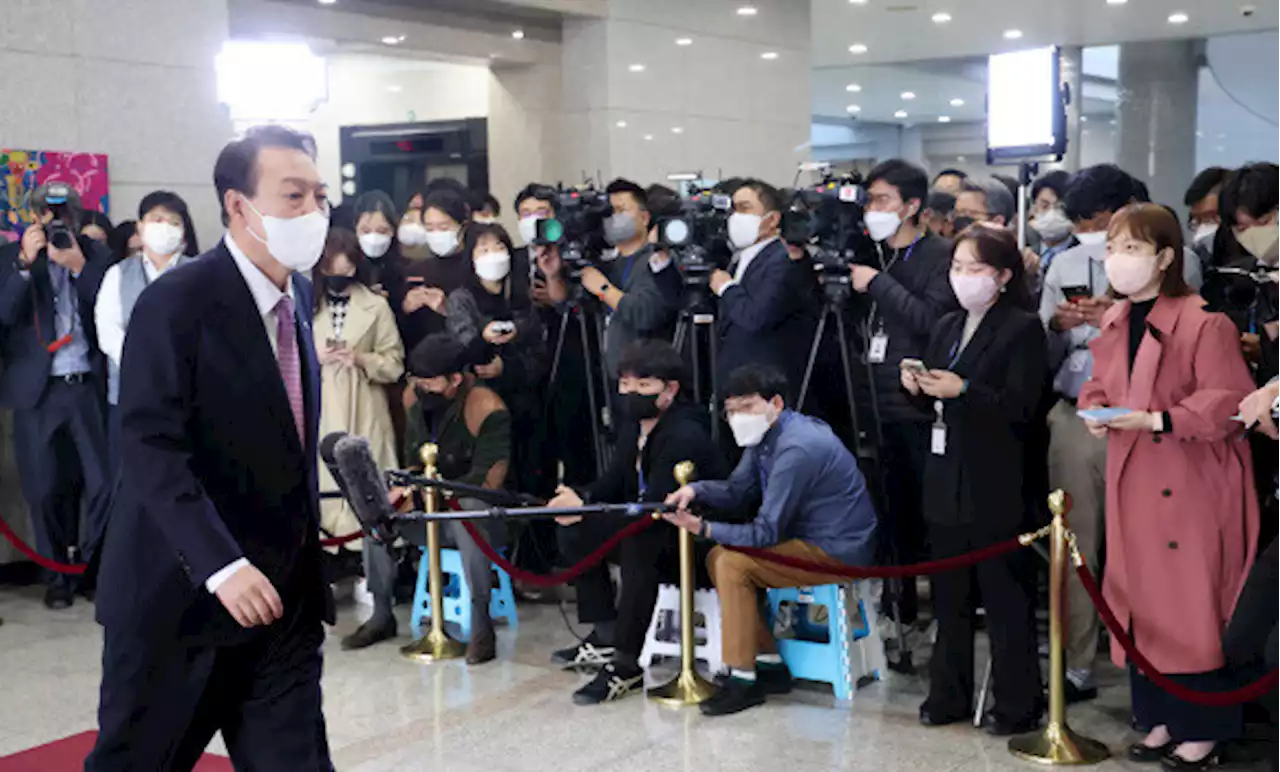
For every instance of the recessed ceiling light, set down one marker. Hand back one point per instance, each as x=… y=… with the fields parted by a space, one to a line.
x=853 y=88
x=1199 y=133
x=908 y=95
x=621 y=124
x=900 y=114
x=857 y=2
x=770 y=55
x=941 y=17
x=518 y=34
x=747 y=10
x=957 y=102
x=857 y=48
x=392 y=40
x=1012 y=34
x=677 y=130
x=1117 y=2
x=636 y=67
x=853 y=109
x=327 y=2
x=944 y=119
x=960 y=159
x=684 y=41
x=1178 y=18
x=395 y=89
x=648 y=137
x=1084 y=119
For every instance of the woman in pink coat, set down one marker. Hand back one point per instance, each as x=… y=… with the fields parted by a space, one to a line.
x=1182 y=520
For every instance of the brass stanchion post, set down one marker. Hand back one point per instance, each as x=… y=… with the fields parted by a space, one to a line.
x=435 y=645
x=1057 y=744
x=688 y=688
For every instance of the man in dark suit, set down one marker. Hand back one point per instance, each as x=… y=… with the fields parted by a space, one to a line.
x=766 y=316
x=213 y=592
x=54 y=379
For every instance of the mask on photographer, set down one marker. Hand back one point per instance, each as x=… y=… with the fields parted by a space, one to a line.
x=1204 y=232
x=750 y=428
x=619 y=228
x=744 y=229
x=1261 y=241
x=528 y=228
x=442 y=243
x=1053 y=225
x=412 y=234
x=961 y=222
x=163 y=238
x=1094 y=239
x=375 y=245
x=882 y=225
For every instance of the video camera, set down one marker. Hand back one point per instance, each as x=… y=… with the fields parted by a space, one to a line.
x=1249 y=297
x=828 y=216
x=61 y=231
x=577 y=227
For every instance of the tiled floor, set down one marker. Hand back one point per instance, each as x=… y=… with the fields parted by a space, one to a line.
x=515 y=715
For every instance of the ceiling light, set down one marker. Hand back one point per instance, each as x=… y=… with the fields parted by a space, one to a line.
x=960 y=159
x=636 y=68
x=1117 y=2
x=900 y=114
x=677 y=130
x=769 y=55
x=684 y=41
x=518 y=34
x=853 y=109
x=648 y=137
x=1199 y=133
x=941 y=17
x=957 y=102
x=857 y=48
x=1084 y=119
x=392 y=40
x=908 y=95
x=1012 y=34
x=621 y=124
x=327 y=2
x=944 y=119
x=857 y=2
x=853 y=88
x=395 y=89
x=747 y=10
x=1178 y=18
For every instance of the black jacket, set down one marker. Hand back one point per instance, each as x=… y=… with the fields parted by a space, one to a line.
x=978 y=481
x=27 y=322
x=908 y=298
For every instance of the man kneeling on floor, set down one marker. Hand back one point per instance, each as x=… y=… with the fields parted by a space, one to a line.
x=814 y=507
x=660 y=427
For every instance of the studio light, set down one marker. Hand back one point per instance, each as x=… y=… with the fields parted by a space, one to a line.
x=270 y=81
x=857 y=48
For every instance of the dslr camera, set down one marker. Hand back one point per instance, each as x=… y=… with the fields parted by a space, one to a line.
x=61 y=230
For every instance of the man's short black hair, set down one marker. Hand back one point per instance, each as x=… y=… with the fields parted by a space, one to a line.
x=941 y=202
x=621 y=185
x=950 y=173
x=1254 y=188
x=1097 y=189
x=94 y=217
x=438 y=354
x=653 y=358
x=765 y=380
x=910 y=180
x=539 y=192
x=1055 y=180
x=237 y=164
x=449 y=202
x=770 y=197
x=1141 y=193
x=485 y=201
x=1207 y=181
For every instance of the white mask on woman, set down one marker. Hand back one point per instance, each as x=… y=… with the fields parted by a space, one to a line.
x=493 y=266
x=375 y=245
x=412 y=234
x=442 y=243
x=163 y=238
x=1130 y=274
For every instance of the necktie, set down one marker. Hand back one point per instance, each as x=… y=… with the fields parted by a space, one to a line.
x=290 y=365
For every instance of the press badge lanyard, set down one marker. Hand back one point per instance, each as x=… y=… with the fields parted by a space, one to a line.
x=938 y=436
x=878 y=348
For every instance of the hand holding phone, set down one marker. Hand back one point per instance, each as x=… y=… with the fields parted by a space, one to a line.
x=913 y=365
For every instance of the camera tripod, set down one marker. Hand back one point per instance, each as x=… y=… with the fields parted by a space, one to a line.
x=575 y=308
x=696 y=318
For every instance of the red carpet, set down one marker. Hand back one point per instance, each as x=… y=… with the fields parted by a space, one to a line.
x=68 y=754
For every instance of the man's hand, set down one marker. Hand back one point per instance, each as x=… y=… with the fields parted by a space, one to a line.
x=491 y=370
x=1030 y=261
x=682 y=519
x=862 y=276
x=942 y=384
x=72 y=259
x=491 y=335
x=593 y=279
x=33 y=240
x=548 y=260
x=1255 y=410
x=566 y=497
x=1067 y=317
x=250 y=599
x=719 y=278
x=1137 y=421
x=1251 y=346
x=1093 y=309
x=682 y=497
x=909 y=381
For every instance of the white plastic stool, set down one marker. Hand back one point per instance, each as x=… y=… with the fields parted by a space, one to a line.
x=663 y=638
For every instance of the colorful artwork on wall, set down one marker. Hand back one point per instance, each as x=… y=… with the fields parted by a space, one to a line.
x=22 y=171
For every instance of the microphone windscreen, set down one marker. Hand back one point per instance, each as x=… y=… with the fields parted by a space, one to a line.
x=328 y=445
x=365 y=488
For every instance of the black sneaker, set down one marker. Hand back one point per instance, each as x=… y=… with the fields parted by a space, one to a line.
x=613 y=682
x=773 y=678
x=735 y=695
x=369 y=633
x=1075 y=694
x=58 y=595
x=590 y=655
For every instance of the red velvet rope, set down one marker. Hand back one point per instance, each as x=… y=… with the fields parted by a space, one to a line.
x=1248 y=693
x=566 y=576
x=62 y=568
x=337 y=541
x=885 y=572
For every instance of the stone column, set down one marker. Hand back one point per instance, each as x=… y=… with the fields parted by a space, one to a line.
x=1156 y=113
x=1072 y=72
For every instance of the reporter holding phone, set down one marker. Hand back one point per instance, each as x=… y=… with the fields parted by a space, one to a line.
x=1182 y=520
x=985 y=373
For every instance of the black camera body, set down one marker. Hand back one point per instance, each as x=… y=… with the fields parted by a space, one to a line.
x=827 y=218
x=1247 y=297
x=60 y=232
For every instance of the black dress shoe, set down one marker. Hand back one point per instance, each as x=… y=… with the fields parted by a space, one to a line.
x=1139 y=753
x=930 y=717
x=1171 y=760
x=774 y=679
x=368 y=634
x=1075 y=694
x=58 y=595
x=735 y=696
x=998 y=726
x=483 y=646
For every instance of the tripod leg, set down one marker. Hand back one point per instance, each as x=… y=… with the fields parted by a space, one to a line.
x=559 y=351
x=677 y=340
x=713 y=346
x=813 y=358
x=592 y=405
x=606 y=450
x=695 y=352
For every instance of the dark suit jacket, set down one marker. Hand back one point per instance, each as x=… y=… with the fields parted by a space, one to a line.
x=23 y=350
x=979 y=480
x=768 y=317
x=213 y=469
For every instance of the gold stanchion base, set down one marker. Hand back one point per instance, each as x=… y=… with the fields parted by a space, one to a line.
x=433 y=647
x=688 y=688
x=1058 y=745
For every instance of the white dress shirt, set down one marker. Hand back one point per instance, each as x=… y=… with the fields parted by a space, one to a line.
x=106 y=312
x=265 y=296
x=745 y=257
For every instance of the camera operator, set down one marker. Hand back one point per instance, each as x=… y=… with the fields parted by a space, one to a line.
x=763 y=319
x=910 y=292
x=533 y=203
x=625 y=283
x=1201 y=200
x=985 y=200
x=54 y=377
x=1247 y=203
x=940 y=213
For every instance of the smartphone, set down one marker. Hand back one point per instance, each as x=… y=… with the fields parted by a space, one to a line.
x=1077 y=292
x=417 y=281
x=914 y=365
x=504 y=328
x=1104 y=415
x=335 y=343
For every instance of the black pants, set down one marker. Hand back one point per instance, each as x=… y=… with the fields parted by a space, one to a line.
x=1008 y=590
x=903 y=456
x=162 y=701
x=1187 y=722
x=64 y=437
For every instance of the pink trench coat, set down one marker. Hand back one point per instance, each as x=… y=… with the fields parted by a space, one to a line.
x=1182 y=518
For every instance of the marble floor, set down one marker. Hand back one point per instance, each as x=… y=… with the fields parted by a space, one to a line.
x=515 y=714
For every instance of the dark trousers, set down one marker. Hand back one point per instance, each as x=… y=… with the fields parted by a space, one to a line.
x=113 y=440
x=64 y=437
x=1187 y=722
x=1008 y=592
x=162 y=701
x=903 y=456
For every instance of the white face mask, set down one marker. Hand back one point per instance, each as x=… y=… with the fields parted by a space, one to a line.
x=493 y=266
x=1204 y=232
x=882 y=225
x=295 y=242
x=162 y=238
x=412 y=234
x=1094 y=239
x=974 y=292
x=442 y=243
x=375 y=245
x=1131 y=274
x=1053 y=225
x=528 y=227
x=744 y=229
x=749 y=428
x=483 y=220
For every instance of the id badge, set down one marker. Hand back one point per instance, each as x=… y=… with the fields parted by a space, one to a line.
x=938 y=440
x=878 y=349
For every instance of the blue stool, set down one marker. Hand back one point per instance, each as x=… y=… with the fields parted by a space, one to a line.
x=457 y=596
x=841 y=652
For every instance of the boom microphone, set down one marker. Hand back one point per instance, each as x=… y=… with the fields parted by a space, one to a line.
x=365 y=489
x=327 y=448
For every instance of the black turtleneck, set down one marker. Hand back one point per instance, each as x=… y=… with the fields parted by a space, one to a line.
x=1138 y=327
